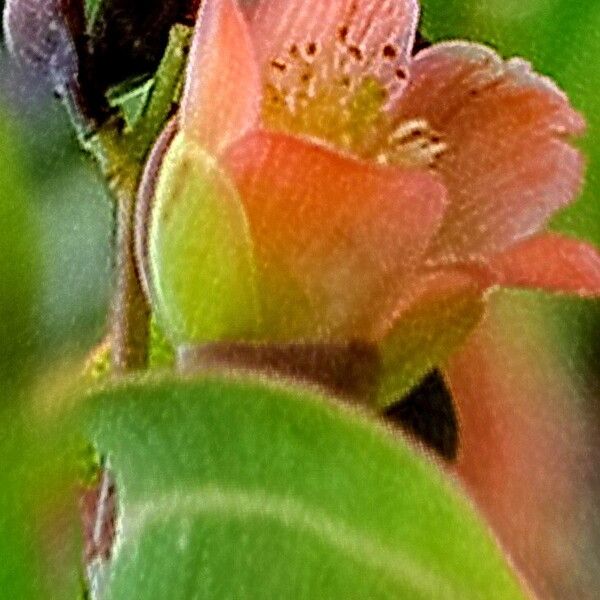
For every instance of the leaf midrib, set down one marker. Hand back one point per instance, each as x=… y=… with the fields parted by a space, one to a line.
x=239 y=504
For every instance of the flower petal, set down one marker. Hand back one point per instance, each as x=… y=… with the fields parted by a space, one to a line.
x=334 y=236
x=529 y=447
x=508 y=166
x=368 y=25
x=222 y=94
x=436 y=314
x=551 y=262
x=319 y=57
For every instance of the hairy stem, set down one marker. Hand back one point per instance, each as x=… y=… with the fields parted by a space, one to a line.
x=120 y=154
x=130 y=311
x=130 y=315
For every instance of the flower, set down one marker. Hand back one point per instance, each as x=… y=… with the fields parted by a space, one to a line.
x=324 y=184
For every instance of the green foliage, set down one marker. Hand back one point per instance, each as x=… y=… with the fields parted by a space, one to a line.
x=92 y=10
x=238 y=489
x=121 y=145
x=39 y=527
x=161 y=353
x=167 y=86
x=131 y=98
x=19 y=263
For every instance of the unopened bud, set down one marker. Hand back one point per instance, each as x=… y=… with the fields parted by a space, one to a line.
x=84 y=53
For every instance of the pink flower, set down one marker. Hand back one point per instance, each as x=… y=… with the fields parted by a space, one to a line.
x=377 y=194
x=370 y=195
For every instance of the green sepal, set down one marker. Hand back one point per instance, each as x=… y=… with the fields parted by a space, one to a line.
x=423 y=339
x=202 y=272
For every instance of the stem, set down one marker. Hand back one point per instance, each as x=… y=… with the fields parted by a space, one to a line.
x=130 y=324
x=130 y=317
x=120 y=155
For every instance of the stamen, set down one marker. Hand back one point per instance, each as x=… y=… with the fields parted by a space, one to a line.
x=414 y=143
x=408 y=129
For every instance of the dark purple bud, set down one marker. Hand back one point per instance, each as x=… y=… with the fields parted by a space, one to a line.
x=39 y=33
x=125 y=39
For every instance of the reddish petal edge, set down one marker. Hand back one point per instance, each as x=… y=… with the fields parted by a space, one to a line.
x=551 y=262
x=513 y=166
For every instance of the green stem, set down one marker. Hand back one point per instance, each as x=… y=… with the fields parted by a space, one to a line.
x=130 y=317
x=130 y=311
x=120 y=156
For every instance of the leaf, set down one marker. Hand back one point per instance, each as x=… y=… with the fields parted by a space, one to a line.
x=243 y=489
x=19 y=265
x=131 y=98
x=166 y=90
x=145 y=104
x=92 y=9
x=160 y=352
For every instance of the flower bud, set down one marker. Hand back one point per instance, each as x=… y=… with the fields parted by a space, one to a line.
x=194 y=247
x=41 y=35
x=85 y=52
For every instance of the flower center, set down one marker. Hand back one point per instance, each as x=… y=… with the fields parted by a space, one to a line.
x=320 y=97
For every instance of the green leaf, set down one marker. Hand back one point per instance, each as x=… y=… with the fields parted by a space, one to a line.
x=242 y=489
x=161 y=352
x=145 y=108
x=92 y=10
x=166 y=89
x=201 y=258
x=560 y=38
x=131 y=98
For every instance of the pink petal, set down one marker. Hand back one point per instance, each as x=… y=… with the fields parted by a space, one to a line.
x=320 y=56
x=529 y=447
x=222 y=93
x=551 y=262
x=334 y=236
x=367 y=24
x=508 y=165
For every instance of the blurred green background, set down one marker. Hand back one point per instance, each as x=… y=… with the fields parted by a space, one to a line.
x=55 y=234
